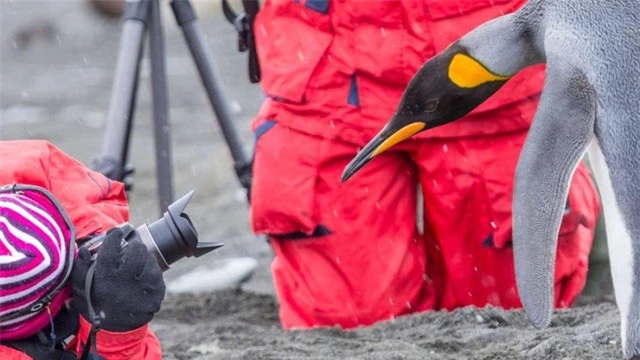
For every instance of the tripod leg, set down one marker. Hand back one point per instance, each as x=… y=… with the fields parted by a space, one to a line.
x=113 y=159
x=210 y=77
x=160 y=108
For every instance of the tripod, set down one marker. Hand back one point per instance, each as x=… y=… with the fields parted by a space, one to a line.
x=141 y=16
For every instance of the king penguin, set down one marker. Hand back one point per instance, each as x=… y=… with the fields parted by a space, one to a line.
x=590 y=102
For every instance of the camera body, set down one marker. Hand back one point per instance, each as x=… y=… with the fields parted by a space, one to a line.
x=168 y=239
x=129 y=233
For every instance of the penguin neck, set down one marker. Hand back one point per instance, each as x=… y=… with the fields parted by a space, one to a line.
x=504 y=45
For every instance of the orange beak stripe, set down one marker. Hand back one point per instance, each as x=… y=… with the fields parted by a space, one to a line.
x=399 y=136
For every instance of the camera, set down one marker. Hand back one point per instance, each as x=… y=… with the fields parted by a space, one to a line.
x=168 y=239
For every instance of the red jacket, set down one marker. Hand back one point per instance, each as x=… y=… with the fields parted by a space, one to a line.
x=94 y=204
x=337 y=69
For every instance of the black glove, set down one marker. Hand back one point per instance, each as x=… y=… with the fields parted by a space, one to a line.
x=127 y=288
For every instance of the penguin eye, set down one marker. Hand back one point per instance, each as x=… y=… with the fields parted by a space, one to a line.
x=431 y=106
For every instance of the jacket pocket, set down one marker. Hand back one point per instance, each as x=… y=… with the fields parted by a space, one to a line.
x=284 y=178
x=291 y=39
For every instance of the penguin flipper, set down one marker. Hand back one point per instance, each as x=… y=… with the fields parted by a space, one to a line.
x=561 y=131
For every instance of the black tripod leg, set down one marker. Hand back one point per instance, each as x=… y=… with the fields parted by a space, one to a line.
x=112 y=161
x=164 y=169
x=212 y=82
x=128 y=169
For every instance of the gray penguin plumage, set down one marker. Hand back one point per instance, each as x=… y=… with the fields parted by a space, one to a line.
x=590 y=102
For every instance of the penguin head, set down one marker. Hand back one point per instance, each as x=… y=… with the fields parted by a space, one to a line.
x=446 y=88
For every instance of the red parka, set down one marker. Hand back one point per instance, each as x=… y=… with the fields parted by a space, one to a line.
x=94 y=205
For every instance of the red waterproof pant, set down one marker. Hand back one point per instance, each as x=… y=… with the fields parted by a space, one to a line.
x=351 y=254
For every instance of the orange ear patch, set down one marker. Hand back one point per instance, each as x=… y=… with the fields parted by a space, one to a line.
x=467 y=72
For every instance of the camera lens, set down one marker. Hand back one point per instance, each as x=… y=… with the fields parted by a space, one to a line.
x=173 y=237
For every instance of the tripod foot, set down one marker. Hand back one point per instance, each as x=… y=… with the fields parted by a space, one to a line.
x=244 y=172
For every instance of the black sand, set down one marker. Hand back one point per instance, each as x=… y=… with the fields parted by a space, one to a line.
x=239 y=325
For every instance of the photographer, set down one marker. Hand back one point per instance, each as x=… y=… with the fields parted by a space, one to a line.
x=45 y=310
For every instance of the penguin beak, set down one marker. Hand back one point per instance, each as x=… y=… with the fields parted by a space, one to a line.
x=386 y=139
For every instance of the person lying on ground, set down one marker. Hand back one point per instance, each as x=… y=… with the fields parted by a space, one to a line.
x=51 y=202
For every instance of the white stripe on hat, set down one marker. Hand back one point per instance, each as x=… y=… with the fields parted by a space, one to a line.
x=27 y=238
x=62 y=244
x=13 y=256
x=20 y=209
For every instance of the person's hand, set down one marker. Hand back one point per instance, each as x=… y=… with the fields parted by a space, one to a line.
x=127 y=288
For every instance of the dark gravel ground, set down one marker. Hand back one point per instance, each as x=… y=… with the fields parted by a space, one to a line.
x=241 y=325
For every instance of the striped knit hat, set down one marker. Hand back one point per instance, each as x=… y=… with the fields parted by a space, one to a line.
x=34 y=260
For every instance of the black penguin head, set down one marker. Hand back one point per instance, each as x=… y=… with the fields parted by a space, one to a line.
x=446 y=88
